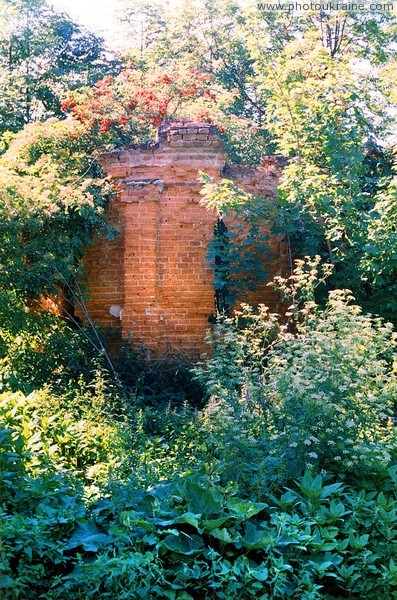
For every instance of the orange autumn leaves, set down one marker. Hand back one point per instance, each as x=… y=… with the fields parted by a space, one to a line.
x=136 y=103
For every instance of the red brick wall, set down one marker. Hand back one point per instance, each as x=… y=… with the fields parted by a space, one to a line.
x=156 y=268
x=263 y=181
x=104 y=268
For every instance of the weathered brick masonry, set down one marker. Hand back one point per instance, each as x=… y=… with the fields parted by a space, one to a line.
x=156 y=269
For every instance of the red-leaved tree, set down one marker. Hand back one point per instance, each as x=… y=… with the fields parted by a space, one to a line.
x=130 y=108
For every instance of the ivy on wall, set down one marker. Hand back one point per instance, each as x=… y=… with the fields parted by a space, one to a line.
x=239 y=249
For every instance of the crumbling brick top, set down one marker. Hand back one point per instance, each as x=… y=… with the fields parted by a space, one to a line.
x=181 y=144
x=184 y=126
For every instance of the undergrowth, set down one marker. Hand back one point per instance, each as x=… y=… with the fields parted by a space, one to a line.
x=282 y=485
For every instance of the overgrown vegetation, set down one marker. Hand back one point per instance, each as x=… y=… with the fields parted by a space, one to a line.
x=283 y=485
x=269 y=470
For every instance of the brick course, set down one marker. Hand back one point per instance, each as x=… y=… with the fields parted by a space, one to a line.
x=156 y=268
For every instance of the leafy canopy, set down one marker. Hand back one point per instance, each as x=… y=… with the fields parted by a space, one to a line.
x=43 y=53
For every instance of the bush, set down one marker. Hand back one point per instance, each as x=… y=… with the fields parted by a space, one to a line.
x=166 y=380
x=317 y=392
x=192 y=538
x=49 y=438
x=205 y=531
x=37 y=348
x=284 y=486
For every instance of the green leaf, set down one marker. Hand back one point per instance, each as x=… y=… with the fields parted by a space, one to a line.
x=202 y=501
x=256 y=538
x=245 y=509
x=223 y=535
x=189 y=518
x=88 y=537
x=330 y=489
x=261 y=574
x=336 y=509
x=6 y=582
x=211 y=524
x=182 y=543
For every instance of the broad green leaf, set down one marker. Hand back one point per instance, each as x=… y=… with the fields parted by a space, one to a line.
x=223 y=535
x=256 y=538
x=182 y=543
x=88 y=537
x=202 y=501
x=211 y=524
x=244 y=509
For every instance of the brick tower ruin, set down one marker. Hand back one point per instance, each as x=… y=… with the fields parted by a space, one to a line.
x=153 y=283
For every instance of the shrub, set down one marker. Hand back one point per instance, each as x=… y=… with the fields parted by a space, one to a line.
x=41 y=349
x=166 y=380
x=52 y=438
x=318 y=390
x=192 y=538
x=103 y=497
x=203 y=532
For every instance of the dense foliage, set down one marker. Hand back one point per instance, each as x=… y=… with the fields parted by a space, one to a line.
x=283 y=486
x=43 y=53
x=131 y=107
x=269 y=470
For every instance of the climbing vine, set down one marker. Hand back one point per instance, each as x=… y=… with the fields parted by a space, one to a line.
x=239 y=249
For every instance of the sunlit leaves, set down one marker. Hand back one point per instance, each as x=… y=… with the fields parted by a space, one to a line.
x=131 y=107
